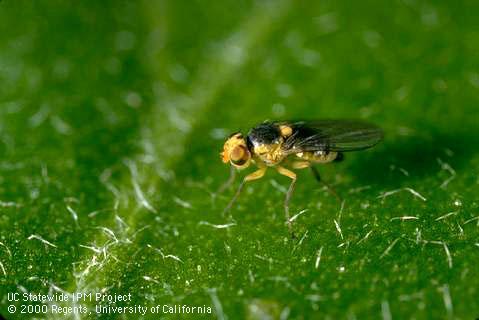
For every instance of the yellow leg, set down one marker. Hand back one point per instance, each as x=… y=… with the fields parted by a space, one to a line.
x=290 y=174
x=258 y=174
x=286 y=172
x=301 y=164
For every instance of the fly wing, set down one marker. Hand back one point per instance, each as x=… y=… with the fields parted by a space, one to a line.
x=331 y=135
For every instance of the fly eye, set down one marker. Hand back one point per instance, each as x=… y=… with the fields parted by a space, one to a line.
x=239 y=155
x=240 y=162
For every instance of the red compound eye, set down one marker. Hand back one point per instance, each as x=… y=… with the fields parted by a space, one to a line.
x=239 y=155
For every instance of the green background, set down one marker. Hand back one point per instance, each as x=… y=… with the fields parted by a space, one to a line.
x=112 y=115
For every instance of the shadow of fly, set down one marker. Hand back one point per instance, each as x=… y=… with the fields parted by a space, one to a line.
x=301 y=144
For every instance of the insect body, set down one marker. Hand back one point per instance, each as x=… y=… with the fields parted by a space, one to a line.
x=301 y=144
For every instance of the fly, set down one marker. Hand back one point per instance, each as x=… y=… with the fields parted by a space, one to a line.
x=301 y=144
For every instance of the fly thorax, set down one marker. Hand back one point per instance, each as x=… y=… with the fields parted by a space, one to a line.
x=270 y=154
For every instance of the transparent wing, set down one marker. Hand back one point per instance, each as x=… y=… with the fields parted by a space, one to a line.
x=331 y=135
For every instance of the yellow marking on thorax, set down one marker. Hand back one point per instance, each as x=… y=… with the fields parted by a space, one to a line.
x=286 y=131
x=271 y=154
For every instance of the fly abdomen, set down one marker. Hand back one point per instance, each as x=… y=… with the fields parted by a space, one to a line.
x=318 y=156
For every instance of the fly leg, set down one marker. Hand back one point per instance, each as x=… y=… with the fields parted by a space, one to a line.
x=290 y=174
x=327 y=185
x=228 y=182
x=301 y=164
x=252 y=176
